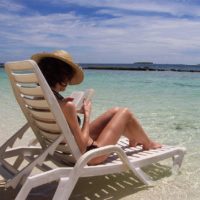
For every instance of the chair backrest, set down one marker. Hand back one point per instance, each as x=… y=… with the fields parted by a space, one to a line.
x=39 y=104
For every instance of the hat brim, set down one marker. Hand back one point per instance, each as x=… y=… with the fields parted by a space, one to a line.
x=78 y=72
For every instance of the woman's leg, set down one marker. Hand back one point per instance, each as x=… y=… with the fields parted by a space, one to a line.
x=133 y=130
x=117 y=122
x=110 y=134
x=137 y=134
x=114 y=129
x=101 y=122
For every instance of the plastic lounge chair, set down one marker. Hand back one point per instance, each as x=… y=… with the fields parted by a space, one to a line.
x=50 y=127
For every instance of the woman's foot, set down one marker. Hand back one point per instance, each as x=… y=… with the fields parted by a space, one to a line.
x=133 y=143
x=151 y=145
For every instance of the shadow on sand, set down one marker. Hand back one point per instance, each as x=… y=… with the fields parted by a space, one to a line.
x=115 y=186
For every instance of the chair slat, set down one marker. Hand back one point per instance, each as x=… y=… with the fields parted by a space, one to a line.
x=48 y=116
x=32 y=91
x=48 y=135
x=22 y=65
x=52 y=127
x=25 y=78
x=37 y=103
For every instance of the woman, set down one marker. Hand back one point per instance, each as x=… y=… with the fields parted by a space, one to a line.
x=60 y=71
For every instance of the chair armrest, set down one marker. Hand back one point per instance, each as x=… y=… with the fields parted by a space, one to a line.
x=86 y=157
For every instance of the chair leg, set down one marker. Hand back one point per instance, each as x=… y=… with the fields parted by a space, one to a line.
x=65 y=187
x=177 y=161
x=18 y=161
x=142 y=176
x=23 y=193
x=41 y=179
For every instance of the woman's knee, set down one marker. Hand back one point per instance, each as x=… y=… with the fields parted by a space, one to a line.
x=123 y=110
x=114 y=110
x=127 y=112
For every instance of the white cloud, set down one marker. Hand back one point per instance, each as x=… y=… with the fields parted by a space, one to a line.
x=174 y=7
x=10 y=5
x=126 y=38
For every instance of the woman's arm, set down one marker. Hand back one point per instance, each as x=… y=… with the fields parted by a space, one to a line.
x=81 y=134
x=86 y=111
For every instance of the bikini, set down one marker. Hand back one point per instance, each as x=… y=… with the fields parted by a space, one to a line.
x=92 y=146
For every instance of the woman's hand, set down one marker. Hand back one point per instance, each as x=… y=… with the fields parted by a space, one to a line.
x=87 y=107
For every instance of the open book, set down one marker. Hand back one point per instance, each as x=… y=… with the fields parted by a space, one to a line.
x=80 y=96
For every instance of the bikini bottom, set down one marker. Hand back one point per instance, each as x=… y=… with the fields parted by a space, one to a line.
x=92 y=146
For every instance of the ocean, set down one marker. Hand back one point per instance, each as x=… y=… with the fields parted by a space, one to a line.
x=167 y=104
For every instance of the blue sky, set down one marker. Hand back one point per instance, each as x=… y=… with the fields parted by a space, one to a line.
x=102 y=31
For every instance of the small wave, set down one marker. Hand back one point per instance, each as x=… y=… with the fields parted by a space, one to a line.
x=183 y=126
x=187 y=85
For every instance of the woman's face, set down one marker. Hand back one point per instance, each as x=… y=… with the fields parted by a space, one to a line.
x=63 y=84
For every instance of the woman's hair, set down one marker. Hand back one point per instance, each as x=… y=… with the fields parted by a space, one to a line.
x=55 y=71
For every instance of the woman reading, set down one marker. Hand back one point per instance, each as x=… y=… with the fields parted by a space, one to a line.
x=60 y=71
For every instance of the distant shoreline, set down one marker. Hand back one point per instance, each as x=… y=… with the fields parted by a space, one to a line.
x=139 y=66
x=138 y=69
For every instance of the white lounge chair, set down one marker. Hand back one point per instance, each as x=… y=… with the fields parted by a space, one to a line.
x=50 y=127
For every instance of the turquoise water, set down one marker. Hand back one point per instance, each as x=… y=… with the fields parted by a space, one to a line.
x=166 y=103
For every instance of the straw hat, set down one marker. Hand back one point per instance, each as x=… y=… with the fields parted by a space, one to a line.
x=65 y=57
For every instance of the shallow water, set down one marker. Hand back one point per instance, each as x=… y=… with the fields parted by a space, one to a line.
x=166 y=103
